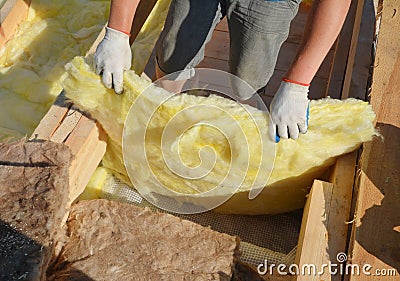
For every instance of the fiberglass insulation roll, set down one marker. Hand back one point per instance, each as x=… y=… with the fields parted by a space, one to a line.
x=335 y=127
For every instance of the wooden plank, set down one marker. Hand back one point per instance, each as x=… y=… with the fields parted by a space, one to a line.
x=6 y=8
x=341 y=47
x=12 y=14
x=376 y=236
x=313 y=247
x=68 y=124
x=59 y=121
x=342 y=176
x=88 y=143
x=81 y=134
x=52 y=120
x=363 y=60
x=352 y=51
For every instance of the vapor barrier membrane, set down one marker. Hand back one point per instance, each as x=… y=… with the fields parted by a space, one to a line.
x=335 y=127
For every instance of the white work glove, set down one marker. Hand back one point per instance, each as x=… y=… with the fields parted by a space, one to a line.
x=113 y=56
x=289 y=111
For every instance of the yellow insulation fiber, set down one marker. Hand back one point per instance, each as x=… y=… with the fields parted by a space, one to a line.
x=32 y=63
x=335 y=127
x=32 y=66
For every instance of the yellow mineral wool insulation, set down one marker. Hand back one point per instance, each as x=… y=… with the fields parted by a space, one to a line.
x=32 y=63
x=95 y=185
x=335 y=127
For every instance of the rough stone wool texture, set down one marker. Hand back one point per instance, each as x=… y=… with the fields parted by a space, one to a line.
x=335 y=127
x=33 y=207
x=115 y=241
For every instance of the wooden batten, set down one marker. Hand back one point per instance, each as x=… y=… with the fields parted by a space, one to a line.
x=12 y=14
x=313 y=247
x=352 y=49
x=376 y=232
x=345 y=53
x=87 y=141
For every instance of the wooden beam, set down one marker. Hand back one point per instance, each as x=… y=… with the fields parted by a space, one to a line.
x=352 y=50
x=53 y=119
x=342 y=177
x=342 y=46
x=376 y=236
x=88 y=144
x=363 y=58
x=325 y=227
x=65 y=124
x=313 y=247
x=12 y=14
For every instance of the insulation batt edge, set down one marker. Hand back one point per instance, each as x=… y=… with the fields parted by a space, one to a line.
x=335 y=128
x=32 y=62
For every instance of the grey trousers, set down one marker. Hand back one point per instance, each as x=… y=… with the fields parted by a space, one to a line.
x=257 y=29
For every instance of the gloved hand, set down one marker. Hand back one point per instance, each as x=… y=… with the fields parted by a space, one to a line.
x=113 y=56
x=289 y=111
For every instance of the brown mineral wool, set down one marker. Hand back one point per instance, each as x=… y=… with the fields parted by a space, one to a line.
x=33 y=198
x=116 y=241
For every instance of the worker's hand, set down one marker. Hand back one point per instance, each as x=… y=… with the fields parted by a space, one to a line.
x=113 y=56
x=289 y=111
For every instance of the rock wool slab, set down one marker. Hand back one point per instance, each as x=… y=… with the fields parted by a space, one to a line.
x=34 y=194
x=115 y=241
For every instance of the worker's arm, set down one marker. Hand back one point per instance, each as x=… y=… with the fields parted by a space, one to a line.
x=289 y=106
x=121 y=14
x=113 y=55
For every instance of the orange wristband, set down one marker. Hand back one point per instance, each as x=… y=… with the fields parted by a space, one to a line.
x=295 y=82
x=127 y=33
